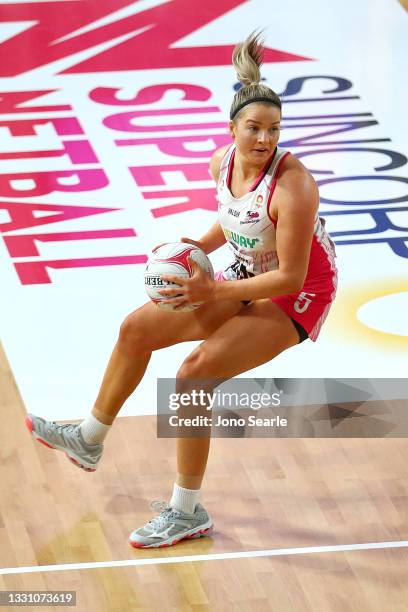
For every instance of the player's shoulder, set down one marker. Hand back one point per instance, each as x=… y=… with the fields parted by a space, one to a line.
x=216 y=160
x=294 y=176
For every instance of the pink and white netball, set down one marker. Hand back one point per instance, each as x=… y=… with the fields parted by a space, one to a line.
x=173 y=258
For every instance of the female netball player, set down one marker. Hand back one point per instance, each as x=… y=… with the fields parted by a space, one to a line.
x=276 y=293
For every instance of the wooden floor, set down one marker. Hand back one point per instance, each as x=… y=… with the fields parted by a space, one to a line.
x=263 y=495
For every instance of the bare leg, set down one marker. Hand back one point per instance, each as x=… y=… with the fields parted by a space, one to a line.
x=221 y=356
x=192 y=456
x=123 y=373
x=143 y=331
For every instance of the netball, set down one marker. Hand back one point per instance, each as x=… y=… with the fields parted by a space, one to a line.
x=173 y=258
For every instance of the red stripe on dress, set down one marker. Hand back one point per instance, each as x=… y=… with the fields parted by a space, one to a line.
x=230 y=165
x=263 y=172
x=274 y=181
x=224 y=163
x=318 y=325
x=319 y=251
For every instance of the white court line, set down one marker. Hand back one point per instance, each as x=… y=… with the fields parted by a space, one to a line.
x=215 y=557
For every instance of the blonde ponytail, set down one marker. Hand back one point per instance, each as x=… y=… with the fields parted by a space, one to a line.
x=247 y=61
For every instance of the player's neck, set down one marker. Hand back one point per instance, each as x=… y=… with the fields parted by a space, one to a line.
x=245 y=170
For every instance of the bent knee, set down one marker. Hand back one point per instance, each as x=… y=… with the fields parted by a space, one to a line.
x=133 y=332
x=198 y=365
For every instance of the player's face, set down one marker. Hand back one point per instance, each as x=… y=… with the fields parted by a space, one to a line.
x=256 y=131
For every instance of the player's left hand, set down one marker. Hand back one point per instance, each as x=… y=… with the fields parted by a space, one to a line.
x=198 y=288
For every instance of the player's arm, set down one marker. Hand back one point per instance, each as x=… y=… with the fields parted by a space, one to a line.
x=211 y=241
x=299 y=202
x=214 y=238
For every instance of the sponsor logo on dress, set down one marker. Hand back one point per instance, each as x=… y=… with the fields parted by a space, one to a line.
x=234 y=213
x=242 y=241
x=251 y=217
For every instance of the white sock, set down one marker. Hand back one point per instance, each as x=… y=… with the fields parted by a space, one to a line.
x=184 y=500
x=93 y=431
